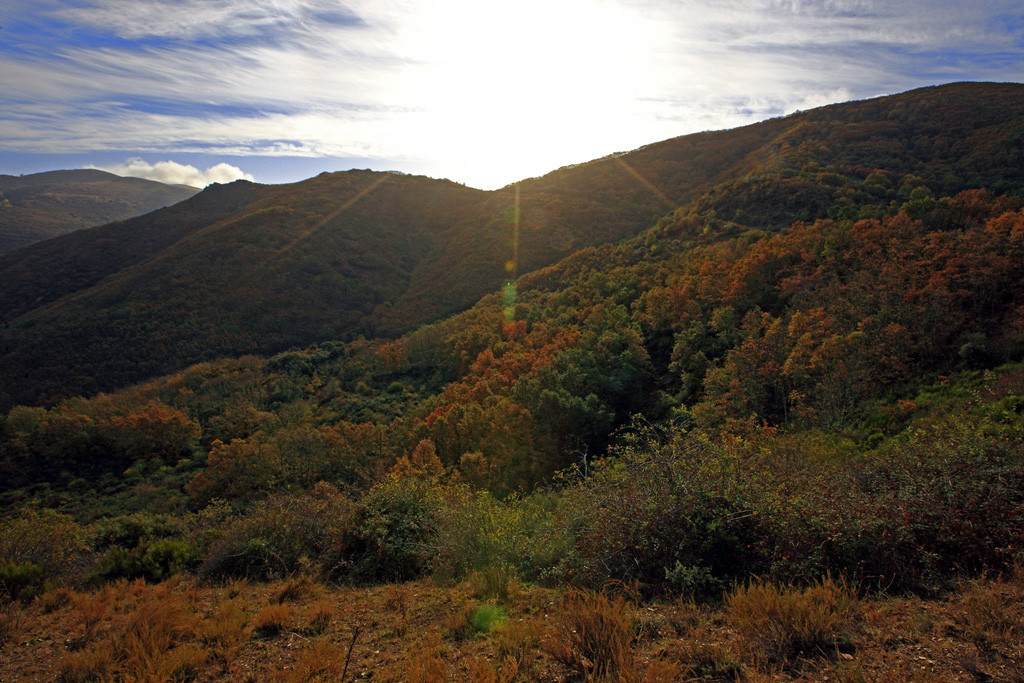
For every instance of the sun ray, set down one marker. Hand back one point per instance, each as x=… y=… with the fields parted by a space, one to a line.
x=260 y=267
x=669 y=204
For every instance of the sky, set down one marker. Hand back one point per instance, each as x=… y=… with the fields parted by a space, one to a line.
x=483 y=92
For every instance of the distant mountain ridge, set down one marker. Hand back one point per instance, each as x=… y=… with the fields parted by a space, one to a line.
x=44 y=205
x=245 y=268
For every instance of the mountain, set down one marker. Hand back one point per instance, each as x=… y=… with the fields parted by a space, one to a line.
x=245 y=268
x=44 y=205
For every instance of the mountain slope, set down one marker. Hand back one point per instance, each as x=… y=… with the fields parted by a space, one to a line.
x=44 y=205
x=378 y=254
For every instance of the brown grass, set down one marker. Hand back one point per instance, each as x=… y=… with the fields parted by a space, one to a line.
x=592 y=635
x=96 y=663
x=296 y=589
x=10 y=624
x=194 y=632
x=54 y=600
x=320 y=661
x=92 y=607
x=458 y=625
x=518 y=640
x=224 y=631
x=396 y=601
x=484 y=671
x=272 y=620
x=782 y=623
x=427 y=665
x=319 y=618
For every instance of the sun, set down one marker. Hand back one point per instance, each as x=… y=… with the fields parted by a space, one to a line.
x=513 y=89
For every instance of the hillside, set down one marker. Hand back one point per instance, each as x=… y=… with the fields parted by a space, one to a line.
x=43 y=205
x=378 y=254
x=774 y=434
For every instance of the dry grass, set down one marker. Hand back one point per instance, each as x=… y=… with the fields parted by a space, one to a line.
x=272 y=620
x=92 y=607
x=319 y=618
x=396 y=601
x=518 y=640
x=458 y=625
x=592 y=635
x=783 y=623
x=96 y=663
x=10 y=624
x=296 y=589
x=195 y=632
x=992 y=613
x=153 y=641
x=321 y=661
x=427 y=665
x=484 y=671
x=224 y=631
x=54 y=600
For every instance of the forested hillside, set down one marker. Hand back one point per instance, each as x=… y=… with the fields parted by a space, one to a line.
x=44 y=205
x=791 y=351
x=248 y=269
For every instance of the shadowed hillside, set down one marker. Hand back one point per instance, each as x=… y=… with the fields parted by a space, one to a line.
x=44 y=205
x=249 y=269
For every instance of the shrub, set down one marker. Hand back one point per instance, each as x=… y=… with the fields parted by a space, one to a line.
x=47 y=539
x=130 y=531
x=665 y=516
x=153 y=561
x=396 y=527
x=21 y=581
x=783 y=623
x=288 y=534
x=495 y=540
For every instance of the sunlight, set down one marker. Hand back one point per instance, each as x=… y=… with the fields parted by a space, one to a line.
x=511 y=90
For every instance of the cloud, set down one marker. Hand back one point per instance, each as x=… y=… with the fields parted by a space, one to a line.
x=519 y=86
x=173 y=173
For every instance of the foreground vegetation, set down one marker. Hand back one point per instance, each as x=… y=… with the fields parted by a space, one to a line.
x=764 y=556
x=301 y=630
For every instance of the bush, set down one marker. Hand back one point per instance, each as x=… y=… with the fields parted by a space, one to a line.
x=49 y=540
x=660 y=518
x=397 y=525
x=130 y=531
x=153 y=561
x=493 y=539
x=21 y=581
x=288 y=534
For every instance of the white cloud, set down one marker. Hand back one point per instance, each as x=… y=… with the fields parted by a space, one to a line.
x=483 y=92
x=173 y=173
